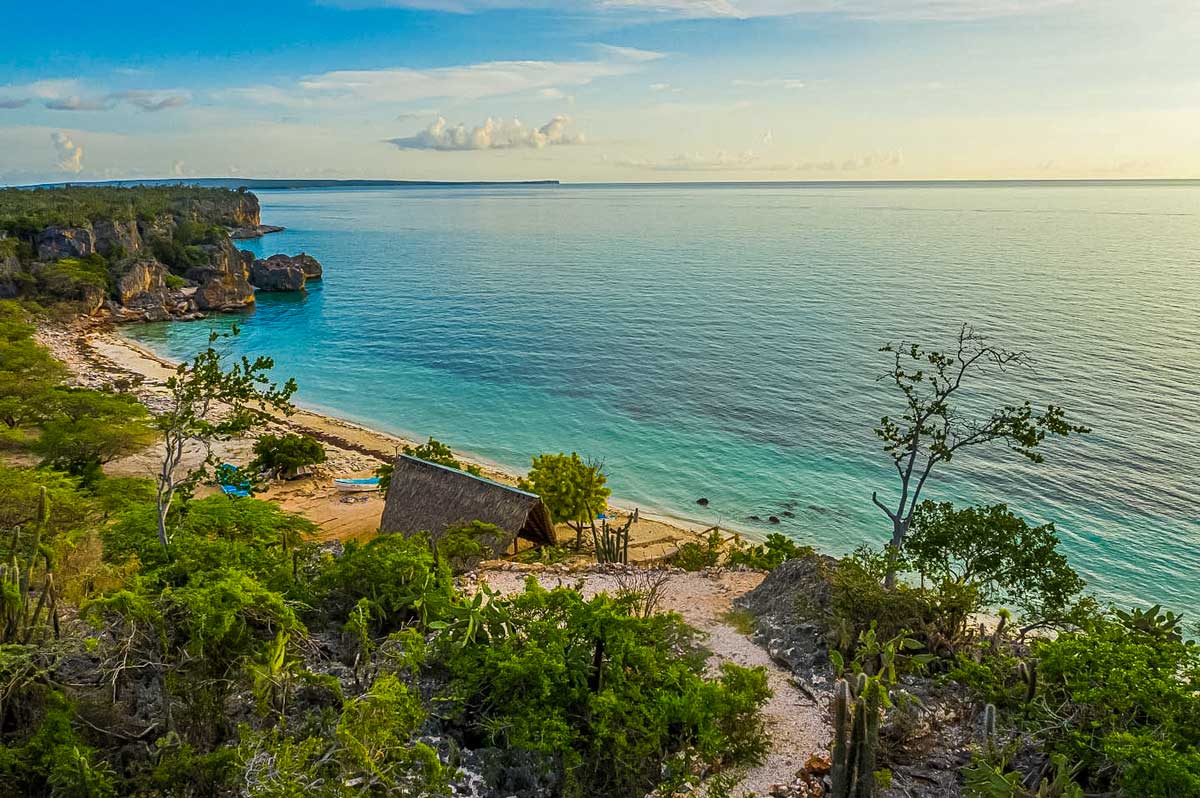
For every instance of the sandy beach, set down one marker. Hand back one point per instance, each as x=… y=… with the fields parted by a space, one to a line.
x=98 y=356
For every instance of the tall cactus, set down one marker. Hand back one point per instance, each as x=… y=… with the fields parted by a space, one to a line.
x=856 y=718
x=1028 y=673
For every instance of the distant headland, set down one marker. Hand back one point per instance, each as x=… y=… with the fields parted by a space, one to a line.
x=272 y=183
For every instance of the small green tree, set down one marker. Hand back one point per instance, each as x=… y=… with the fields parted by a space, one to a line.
x=434 y=451
x=27 y=371
x=210 y=401
x=88 y=428
x=996 y=552
x=574 y=491
x=934 y=426
x=284 y=454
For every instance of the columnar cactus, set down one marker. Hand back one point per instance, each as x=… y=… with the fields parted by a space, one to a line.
x=1028 y=673
x=856 y=718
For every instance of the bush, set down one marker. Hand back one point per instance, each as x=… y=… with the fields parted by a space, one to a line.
x=698 y=555
x=398 y=577
x=85 y=428
x=286 y=454
x=769 y=554
x=612 y=699
x=1122 y=702
x=998 y=554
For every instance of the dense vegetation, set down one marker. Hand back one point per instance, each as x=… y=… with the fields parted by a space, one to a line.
x=24 y=212
x=229 y=656
x=156 y=643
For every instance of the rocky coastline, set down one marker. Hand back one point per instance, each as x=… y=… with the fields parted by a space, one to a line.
x=178 y=263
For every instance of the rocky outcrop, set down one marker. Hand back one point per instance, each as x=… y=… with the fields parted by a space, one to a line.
x=143 y=290
x=12 y=276
x=56 y=243
x=117 y=237
x=254 y=231
x=224 y=282
x=285 y=272
x=277 y=274
x=236 y=209
x=161 y=226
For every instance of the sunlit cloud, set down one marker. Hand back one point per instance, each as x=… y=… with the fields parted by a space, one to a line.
x=70 y=154
x=493 y=134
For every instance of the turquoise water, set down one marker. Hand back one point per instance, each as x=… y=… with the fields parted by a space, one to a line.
x=722 y=341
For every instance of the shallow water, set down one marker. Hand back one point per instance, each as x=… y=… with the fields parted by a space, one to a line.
x=722 y=341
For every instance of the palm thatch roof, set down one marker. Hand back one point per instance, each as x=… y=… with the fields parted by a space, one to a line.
x=427 y=497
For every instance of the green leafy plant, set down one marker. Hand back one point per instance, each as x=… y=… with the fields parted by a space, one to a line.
x=769 y=554
x=282 y=455
x=574 y=491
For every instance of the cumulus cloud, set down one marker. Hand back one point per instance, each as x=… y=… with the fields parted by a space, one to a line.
x=493 y=134
x=177 y=169
x=13 y=102
x=70 y=154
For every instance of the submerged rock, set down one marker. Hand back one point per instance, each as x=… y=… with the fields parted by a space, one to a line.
x=702 y=501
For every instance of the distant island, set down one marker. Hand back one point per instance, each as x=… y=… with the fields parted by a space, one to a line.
x=272 y=183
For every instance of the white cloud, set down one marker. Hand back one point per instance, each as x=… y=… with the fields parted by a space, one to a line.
x=491 y=135
x=177 y=169
x=551 y=94
x=70 y=154
x=67 y=94
x=946 y=10
x=629 y=53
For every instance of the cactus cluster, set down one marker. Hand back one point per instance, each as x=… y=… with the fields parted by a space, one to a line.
x=1028 y=673
x=612 y=543
x=857 y=709
x=19 y=616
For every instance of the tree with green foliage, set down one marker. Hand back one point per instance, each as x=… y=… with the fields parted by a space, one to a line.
x=935 y=425
x=27 y=371
x=286 y=454
x=574 y=491
x=211 y=401
x=432 y=451
x=85 y=429
x=996 y=552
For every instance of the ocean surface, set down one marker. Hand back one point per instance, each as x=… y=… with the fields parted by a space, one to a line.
x=721 y=341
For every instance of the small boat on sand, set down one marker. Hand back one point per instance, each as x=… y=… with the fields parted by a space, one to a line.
x=357 y=485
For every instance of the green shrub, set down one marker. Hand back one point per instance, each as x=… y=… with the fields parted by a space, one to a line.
x=769 y=554
x=698 y=555
x=613 y=699
x=283 y=454
x=398 y=577
x=1131 y=699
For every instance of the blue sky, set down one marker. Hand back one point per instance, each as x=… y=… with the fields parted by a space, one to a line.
x=606 y=90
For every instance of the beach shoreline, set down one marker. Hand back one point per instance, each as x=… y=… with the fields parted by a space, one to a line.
x=98 y=355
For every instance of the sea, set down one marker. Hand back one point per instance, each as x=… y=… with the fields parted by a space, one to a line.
x=722 y=342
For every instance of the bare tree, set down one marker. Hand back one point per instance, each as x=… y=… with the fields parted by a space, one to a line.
x=933 y=427
x=210 y=401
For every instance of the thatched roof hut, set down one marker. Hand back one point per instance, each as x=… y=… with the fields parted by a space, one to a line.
x=427 y=497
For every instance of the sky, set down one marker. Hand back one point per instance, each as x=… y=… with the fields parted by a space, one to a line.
x=600 y=90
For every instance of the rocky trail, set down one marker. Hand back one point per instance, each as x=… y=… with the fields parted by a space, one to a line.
x=796 y=724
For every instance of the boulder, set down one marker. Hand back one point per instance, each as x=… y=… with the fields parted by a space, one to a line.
x=224 y=282
x=305 y=262
x=143 y=289
x=277 y=273
x=56 y=243
x=115 y=237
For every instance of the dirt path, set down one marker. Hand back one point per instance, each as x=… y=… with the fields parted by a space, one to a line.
x=795 y=726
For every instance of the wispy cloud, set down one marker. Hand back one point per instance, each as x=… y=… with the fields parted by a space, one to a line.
x=752 y=161
x=68 y=94
x=945 y=10
x=70 y=154
x=771 y=83
x=466 y=82
x=493 y=134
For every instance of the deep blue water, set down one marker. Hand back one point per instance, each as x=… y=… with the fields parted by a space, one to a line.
x=723 y=342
